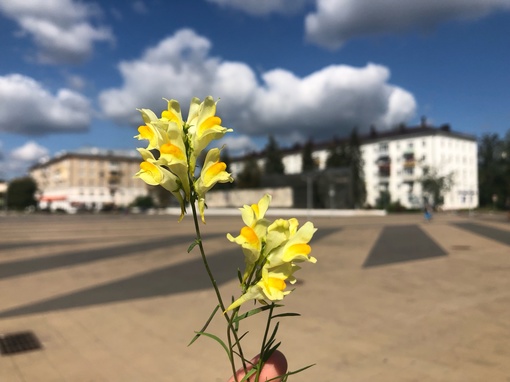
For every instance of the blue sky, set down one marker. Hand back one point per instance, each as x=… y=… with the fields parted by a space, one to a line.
x=73 y=72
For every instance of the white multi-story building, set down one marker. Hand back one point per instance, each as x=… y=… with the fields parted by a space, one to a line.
x=394 y=162
x=89 y=178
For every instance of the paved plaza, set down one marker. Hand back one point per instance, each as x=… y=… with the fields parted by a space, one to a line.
x=391 y=299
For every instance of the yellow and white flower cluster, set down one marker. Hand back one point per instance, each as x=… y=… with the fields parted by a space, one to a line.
x=174 y=147
x=272 y=251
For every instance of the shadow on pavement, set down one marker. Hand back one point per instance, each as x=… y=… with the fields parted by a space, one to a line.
x=401 y=243
x=492 y=233
x=178 y=278
x=183 y=277
x=25 y=266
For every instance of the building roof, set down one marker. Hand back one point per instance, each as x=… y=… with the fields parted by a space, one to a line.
x=90 y=153
x=374 y=135
x=402 y=132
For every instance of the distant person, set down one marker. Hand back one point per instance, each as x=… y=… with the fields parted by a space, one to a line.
x=427 y=211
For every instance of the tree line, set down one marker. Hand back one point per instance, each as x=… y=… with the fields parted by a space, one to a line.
x=494 y=171
x=341 y=154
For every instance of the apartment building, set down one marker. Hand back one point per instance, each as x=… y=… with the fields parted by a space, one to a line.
x=88 y=179
x=394 y=162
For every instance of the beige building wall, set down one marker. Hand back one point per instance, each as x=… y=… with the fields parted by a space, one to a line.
x=74 y=181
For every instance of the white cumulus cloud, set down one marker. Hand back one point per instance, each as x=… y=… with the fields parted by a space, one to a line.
x=263 y=7
x=237 y=145
x=16 y=162
x=61 y=29
x=336 y=21
x=30 y=152
x=336 y=98
x=28 y=108
x=328 y=102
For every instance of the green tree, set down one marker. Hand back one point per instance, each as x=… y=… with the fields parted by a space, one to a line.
x=434 y=186
x=21 y=193
x=143 y=202
x=493 y=170
x=337 y=155
x=274 y=163
x=348 y=154
x=506 y=171
x=384 y=200
x=161 y=197
x=250 y=176
x=308 y=163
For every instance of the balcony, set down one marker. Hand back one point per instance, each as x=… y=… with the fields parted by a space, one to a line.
x=408 y=175
x=114 y=178
x=409 y=160
x=384 y=166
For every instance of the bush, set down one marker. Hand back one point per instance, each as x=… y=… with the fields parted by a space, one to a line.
x=143 y=202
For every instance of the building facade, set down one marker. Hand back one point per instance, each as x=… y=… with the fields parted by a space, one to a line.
x=394 y=162
x=88 y=179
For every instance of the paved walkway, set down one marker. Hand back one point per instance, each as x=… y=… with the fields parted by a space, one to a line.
x=391 y=299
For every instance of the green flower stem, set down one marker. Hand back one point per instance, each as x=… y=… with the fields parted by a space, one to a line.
x=231 y=328
x=263 y=346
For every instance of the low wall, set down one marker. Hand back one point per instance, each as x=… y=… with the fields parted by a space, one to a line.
x=281 y=197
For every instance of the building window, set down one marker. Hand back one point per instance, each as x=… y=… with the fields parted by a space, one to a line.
x=383 y=147
x=408 y=170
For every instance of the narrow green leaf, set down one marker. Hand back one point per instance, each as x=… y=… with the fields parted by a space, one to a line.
x=239 y=276
x=249 y=374
x=240 y=338
x=234 y=315
x=254 y=311
x=192 y=245
x=286 y=375
x=286 y=315
x=273 y=335
x=205 y=325
x=270 y=350
x=217 y=339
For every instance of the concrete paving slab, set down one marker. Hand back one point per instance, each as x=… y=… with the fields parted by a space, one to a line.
x=117 y=298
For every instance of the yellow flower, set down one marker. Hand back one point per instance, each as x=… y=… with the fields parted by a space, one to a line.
x=253 y=234
x=173 y=155
x=214 y=171
x=150 y=133
x=173 y=113
x=152 y=130
x=295 y=249
x=194 y=109
x=205 y=125
x=177 y=145
x=148 y=115
x=279 y=232
x=251 y=244
x=271 y=285
x=251 y=215
x=153 y=174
